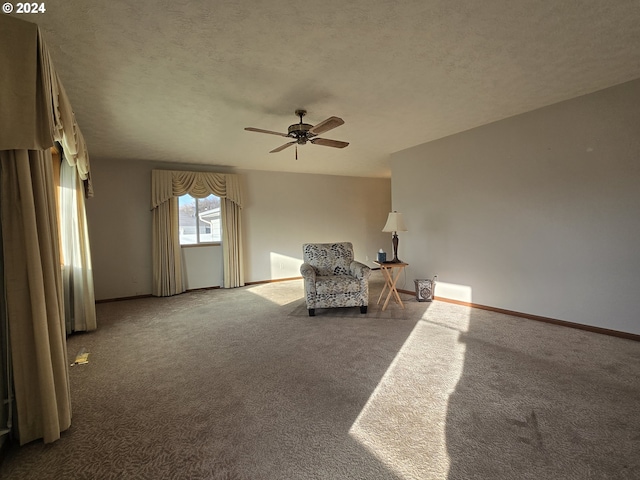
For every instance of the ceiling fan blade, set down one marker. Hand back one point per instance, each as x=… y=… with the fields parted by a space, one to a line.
x=260 y=130
x=282 y=147
x=326 y=125
x=325 y=142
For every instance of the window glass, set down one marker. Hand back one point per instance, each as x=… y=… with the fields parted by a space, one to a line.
x=199 y=219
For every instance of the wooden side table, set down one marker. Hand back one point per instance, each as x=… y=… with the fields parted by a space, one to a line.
x=391 y=272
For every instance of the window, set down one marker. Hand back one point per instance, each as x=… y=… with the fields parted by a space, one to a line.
x=199 y=219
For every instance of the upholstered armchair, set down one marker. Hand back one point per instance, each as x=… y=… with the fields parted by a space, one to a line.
x=332 y=278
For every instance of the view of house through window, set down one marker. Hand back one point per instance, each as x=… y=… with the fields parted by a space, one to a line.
x=199 y=219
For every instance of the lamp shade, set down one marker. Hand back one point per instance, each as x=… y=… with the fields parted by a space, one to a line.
x=395 y=223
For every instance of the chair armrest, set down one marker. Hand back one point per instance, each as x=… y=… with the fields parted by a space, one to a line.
x=359 y=270
x=308 y=272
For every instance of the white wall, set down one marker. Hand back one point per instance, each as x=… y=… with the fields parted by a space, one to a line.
x=282 y=211
x=119 y=220
x=285 y=210
x=539 y=213
x=202 y=266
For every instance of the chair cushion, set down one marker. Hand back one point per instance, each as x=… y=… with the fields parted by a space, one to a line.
x=332 y=284
x=329 y=258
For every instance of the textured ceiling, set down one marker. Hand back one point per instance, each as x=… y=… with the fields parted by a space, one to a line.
x=177 y=80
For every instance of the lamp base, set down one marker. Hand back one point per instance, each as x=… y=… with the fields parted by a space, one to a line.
x=394 y=242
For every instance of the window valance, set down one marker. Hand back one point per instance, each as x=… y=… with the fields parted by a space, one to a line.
x=36 y=111
x=166 y=184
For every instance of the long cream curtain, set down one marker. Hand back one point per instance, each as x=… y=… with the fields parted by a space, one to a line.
x=77 y=271
x=167 y=259
x=166 y=186
x=35 y=112
x=34 y=295
x=232 y=244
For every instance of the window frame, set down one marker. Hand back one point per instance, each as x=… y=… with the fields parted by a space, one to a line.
x=198 y=242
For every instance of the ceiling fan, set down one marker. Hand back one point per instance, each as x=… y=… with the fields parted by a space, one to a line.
x=303 y=133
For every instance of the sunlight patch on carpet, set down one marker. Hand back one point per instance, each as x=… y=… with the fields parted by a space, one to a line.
x=403 y=423
x=279 y=293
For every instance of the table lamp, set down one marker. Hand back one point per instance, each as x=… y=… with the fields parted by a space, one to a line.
x=395 y=224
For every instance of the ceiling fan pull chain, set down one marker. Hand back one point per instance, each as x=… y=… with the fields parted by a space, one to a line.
x=296 y=151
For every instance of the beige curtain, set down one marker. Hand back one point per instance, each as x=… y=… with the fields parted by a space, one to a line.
x=167 y=259
x=35 y=108
x=166 y=186
x=77 y=272
x=34 y=295
x=168 y=183
x=232 y=244
x=26 y=117
x=34 y=113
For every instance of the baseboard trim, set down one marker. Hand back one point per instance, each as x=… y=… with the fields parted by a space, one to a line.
x=216 y=287
x=538 y=318
x=136 y=297
x=273 y=280
x=118 y=299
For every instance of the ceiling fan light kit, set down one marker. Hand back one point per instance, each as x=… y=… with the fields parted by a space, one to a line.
x=304 y=132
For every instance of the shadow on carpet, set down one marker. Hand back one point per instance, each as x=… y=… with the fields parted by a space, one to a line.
x=393 y=311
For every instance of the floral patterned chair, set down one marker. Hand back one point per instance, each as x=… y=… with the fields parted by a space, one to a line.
x=332 y=278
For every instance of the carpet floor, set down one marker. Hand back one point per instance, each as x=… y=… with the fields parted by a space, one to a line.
x=242 y=385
